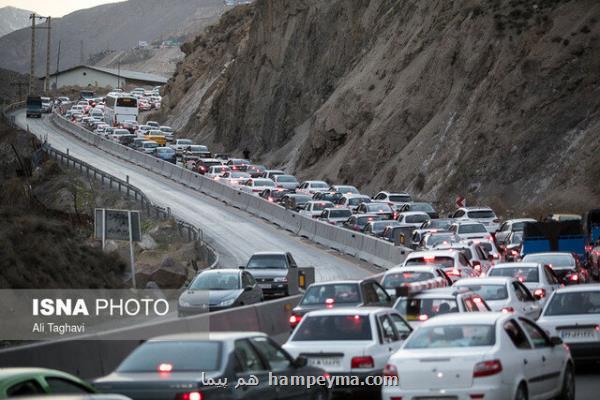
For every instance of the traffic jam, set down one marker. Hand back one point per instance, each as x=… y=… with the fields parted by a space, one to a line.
x=481 y=308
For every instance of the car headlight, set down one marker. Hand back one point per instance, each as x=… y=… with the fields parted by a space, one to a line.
x=280 y=279
x=184 y=303
x=227 y=302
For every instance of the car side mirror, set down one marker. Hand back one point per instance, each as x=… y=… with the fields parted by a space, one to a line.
x=537 y=296
x=555 y=341
x=248 y=288
x=300 y=362
x=242 y=267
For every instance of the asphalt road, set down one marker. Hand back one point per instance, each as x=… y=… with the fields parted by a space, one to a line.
x=235 y=234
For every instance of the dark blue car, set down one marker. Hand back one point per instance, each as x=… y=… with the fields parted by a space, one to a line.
x=166 y=154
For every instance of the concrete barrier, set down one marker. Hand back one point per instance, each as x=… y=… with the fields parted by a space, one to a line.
x=308 y=228
x=325 y=235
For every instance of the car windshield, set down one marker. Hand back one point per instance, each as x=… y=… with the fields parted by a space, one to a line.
x=184 y=141
x=177 y=356
x=415 y=309
x=488 y=292
x=516 y=238
x=518 y=226
x=335 y=293
x=355 y=201
x=274 y=261
x=439 y=224
x=340 y=213
x=321 y=205
x=286 y=178
x=425 y=207
x=319 y=185
x=150 y=145
x=554 y=260
x=471 y=228
x=416 y=219
x=449 y=336
x=333 y=328
x=524 y=274
x=399 y=198
x=347 y=189
x=378 y=207
x=567 y=303
x=394 y=280
x=216 y=281
x=481 y=214
x=434 y=240
x=264 y=183
x=446 y=262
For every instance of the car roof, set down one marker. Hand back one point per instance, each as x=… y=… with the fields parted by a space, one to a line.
x=14 y=372
x=520 y=220
x=517 y=265
x=483 y=208
x=434 y=253
x=217 y=270
x=270 y=253
x=487 y=318
x=348 y=310
x=394 y=193
x=354 y=196
x=449 y=292
x=409 y=213
x=212 y=336
x=420 y=267
x=340 y=282
x=467 y=222
x=579 y=288
x=489 y=280
x=552 y=253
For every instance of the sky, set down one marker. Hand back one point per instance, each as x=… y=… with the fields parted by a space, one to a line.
x=54 y=8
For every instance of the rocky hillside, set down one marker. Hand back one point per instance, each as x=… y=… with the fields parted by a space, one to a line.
x=12 y=19
x=115 y=26
x=491 y=99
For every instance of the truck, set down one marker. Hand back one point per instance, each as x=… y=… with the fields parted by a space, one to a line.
x=34 y=106
x=562 y=236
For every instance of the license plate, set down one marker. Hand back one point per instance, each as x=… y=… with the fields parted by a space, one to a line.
x=326 y=362
x=264 y=285
x=578 y=334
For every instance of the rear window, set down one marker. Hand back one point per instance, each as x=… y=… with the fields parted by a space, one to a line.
x=422 y=207
x=488 y=292
x=448 y=336
x=481 y=214
x=366 y=219
x=267 y=261
x=424 y=309
x=378 y=207
x=391 y=281
x=286 y=178
x=319 y=206
x=524 y=274
x=471 y=228
x=574 y=303
x=179 y=356
x=555 y=261
x=337 y=293
x=319 y=185
x=412 y=219
x=264 y=182
x=340 y=213
x=358 y=200
x=399 y=198
x=434 y=240
x=446 y=262
x=333 y=328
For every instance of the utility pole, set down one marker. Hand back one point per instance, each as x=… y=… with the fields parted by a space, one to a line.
x=32 y=65
x=119 y=74
x=47 y=80
x=81 y=52
x=57 y=65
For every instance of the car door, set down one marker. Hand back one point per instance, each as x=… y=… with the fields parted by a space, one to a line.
x=527 y=361
x=551 y=358
x=280 y=364
x=503 y=233
x=527 y=305
x=389 y=341
x=249 y=365
x=255 y=294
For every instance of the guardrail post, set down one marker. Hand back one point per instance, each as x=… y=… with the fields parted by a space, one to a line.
x=67 y=151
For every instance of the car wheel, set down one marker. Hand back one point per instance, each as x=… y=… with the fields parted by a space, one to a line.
x=568 y=387
x=521 y=392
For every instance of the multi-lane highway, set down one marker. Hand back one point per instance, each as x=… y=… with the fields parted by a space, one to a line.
x=235 y=234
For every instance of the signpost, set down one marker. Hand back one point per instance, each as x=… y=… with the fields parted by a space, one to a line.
x=119 y=225
x=460 y=202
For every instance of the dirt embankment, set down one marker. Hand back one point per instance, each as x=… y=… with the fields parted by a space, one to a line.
x=495 y=100
x=46 y=229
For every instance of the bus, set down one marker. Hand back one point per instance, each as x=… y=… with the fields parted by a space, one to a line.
x=118 y=109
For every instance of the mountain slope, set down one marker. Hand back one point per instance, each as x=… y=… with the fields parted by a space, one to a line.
x=116 y=26
x=489 y=99
x=12 y=19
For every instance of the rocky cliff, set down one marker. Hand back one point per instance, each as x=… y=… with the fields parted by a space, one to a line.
x=496 y=100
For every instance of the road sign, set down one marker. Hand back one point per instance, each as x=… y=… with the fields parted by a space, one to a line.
x=460 y=202
x=119 y=225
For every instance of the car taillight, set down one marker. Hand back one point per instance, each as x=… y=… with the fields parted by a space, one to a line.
x=189 y=396
x=295 y=320
x=165 y=367
x=256 y=190
x=541 y=293
x=270 y=199
x=363 y=362
x=487 y=368
x=423 y=317
x=574 y=278
x=454 y=272
x=508 y=310
x=329 y=303
x=390 y=370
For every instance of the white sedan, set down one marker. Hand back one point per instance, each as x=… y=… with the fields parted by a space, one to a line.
x=504 y=294
x=349 y=341
x=257 y=185
x=573 y=314
x=314 y=209
x=483 y=356
x=235 y=178
x=216 y=171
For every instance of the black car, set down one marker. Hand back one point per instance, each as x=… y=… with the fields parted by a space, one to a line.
x=256 y=171
x=357 y=222
x=419 y=206
x=375 y=208
x=218 y=289
x=295 y=201
x=318 y=296
x=238 y=164
x=333 y=197
x=208 y=367
x=274 y=195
